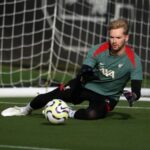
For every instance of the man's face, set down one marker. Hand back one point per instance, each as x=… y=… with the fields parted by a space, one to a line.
x=117 y=39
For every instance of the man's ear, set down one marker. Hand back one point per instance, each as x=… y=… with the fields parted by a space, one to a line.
x=127 y=38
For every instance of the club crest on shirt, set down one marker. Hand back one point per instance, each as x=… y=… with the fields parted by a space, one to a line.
x=120 y=65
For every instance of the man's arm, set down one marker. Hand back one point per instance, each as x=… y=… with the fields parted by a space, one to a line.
x=135 y=93
x=136 y=88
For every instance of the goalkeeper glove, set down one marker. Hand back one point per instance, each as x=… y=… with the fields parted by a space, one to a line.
x=130 y=96
x=86 y=74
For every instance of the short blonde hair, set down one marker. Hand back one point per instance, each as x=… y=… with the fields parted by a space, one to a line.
x=119 y=23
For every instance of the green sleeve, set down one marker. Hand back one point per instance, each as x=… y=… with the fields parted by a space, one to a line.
x=136 y=73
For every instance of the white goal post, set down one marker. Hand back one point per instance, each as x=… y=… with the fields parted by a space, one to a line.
x=43 y=42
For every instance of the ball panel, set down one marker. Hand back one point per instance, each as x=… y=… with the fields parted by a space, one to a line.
x=56 y=111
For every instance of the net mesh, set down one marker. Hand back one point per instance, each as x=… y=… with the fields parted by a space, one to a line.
x=44 y=42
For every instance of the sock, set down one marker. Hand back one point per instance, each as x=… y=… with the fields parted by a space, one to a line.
x=72 y=113
x=28 y=109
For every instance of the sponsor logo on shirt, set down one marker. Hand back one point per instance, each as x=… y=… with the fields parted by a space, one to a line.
x=107 y=73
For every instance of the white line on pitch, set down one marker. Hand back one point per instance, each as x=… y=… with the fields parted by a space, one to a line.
x=134 y=107
x=81 y=105
x=121 y=107
x=27 y=147
x=12 y=103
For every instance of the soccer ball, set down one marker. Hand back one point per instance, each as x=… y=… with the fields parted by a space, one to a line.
x=56 y=111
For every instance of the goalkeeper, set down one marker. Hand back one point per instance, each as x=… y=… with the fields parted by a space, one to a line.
x=105 y=72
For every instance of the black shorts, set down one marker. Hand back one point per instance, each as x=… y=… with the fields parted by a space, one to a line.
x=96 y=101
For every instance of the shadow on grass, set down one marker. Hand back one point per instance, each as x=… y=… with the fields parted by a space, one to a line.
x=119 y=116
x=45 y=122
x=111 y=115
x=37 y=115
x=50 y=124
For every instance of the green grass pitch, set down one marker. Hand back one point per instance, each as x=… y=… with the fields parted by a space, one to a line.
x=124 y=129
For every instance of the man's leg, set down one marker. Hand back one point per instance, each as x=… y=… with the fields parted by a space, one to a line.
x=98 y=108
x=42 y=99
x=38 y=102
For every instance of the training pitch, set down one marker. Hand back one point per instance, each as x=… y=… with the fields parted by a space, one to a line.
x=124 y=129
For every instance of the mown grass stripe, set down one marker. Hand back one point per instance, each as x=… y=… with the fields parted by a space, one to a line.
x=27 y=147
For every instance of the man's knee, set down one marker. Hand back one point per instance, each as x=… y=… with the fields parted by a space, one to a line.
x=94 y=114
x=90 y=114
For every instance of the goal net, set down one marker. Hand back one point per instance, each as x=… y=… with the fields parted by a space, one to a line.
x=43 y=42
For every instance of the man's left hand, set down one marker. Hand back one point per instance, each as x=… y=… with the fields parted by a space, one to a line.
x=130 y=96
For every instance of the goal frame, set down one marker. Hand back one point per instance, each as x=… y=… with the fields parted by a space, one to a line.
x=33 y=91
